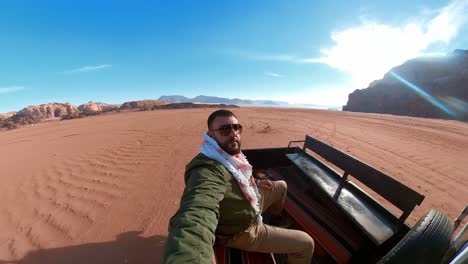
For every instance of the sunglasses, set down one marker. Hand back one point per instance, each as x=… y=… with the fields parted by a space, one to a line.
x=225 y=130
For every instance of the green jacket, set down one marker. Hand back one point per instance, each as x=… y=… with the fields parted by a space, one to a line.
x=212 y=203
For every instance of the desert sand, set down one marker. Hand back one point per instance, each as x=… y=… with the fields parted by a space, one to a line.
x=102 y=189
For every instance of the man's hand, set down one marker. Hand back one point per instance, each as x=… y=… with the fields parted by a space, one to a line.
x=266 y=184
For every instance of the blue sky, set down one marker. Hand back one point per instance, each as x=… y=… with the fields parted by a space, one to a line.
x=298 y=51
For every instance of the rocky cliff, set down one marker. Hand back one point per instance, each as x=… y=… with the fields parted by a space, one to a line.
x=422 y=87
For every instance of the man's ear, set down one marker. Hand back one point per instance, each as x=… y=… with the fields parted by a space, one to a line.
x=210 y=134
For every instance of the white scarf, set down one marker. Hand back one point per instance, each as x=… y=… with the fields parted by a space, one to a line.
x=238 y=166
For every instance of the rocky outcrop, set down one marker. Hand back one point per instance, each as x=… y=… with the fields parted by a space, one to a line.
x=36 y=113
x=422 y=87
x=143 y=104
x=93 y=107
x=6 y=115
x=48 y=111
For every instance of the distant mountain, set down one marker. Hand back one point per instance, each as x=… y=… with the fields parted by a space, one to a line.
x=219 y=100
x=173 y=99
x=440 y=89
x=192 y=105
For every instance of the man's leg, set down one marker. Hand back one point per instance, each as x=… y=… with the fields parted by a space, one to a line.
x=270 y=239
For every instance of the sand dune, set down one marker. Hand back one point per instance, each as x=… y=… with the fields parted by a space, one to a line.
x=102 y=189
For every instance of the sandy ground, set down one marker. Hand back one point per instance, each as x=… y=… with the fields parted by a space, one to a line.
x=102 y=189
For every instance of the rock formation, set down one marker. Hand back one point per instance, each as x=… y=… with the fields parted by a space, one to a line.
x=91 y=107
x=6 y=115
x=65 y=111
x=36 y=113
x=47 y=111
x=143 y=104
x=422 y=87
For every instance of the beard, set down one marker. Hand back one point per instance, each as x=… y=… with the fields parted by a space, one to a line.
x=232 y=147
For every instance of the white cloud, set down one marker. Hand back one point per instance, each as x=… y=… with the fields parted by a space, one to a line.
x=444 y=27
x=10 y=89
x=89 y=68
x=371 y=49
x=274 y=74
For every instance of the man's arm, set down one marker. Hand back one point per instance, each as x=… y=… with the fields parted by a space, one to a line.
x=191 y=230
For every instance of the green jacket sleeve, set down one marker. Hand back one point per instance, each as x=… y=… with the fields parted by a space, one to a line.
x=192 y=228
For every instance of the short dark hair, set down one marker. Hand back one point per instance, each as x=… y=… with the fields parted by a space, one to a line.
x=221 y=112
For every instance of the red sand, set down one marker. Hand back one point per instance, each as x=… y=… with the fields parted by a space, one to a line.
x=102 y=189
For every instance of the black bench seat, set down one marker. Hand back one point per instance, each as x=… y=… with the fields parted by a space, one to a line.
x=371 y=221
x=377 y=222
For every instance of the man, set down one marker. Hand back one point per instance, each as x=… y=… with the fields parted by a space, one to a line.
x=221 y=200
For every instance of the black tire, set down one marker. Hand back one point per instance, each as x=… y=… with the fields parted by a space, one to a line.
x=425 y=243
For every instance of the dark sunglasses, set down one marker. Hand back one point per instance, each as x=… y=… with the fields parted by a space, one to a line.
x=225 y=130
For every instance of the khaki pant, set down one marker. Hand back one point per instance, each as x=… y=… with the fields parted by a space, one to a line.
x=270 y=239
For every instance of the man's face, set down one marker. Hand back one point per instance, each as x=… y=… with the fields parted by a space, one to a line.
x=230 y=143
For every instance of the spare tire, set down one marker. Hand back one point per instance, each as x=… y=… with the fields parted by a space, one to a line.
x=425 y=243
